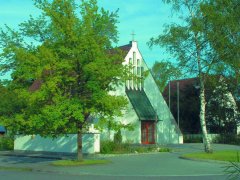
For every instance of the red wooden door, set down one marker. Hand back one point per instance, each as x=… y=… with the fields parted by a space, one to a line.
x=148 y=132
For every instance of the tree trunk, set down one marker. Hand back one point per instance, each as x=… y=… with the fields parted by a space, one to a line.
x=79 y=144
x=206 y=142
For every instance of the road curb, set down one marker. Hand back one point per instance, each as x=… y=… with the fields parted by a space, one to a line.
x=204 y=160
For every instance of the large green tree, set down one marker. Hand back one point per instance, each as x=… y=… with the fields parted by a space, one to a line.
x=223 y=115
x=62 y=70
x=189 y=45
x=222 y=27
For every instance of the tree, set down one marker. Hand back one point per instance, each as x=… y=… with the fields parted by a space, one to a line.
x=64 y=75
x=163 y=72
x=222 y=27
x=189 y=45
x=223 y=116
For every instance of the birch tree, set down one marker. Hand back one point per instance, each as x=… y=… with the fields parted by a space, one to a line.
x=187 y=43
x=222 y=27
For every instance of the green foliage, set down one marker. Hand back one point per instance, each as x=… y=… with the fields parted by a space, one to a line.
x=118 y=137
x=222 y=30
x=228 y=138
x=233 y=169
x=192 y=139
x=61 y=69
x=14 y=169
x=107 y=147
x=164 y=149
x=79 y=163
x=6 y=143
x=222 y=112
x=163 y=72
x=110 y=147
x=189 y=44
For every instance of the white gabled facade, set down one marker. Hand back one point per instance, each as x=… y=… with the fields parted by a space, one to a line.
x=165 y=128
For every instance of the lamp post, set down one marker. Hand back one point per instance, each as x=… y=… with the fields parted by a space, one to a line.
x=169 y=105
x=178 y=109
x=178 y=103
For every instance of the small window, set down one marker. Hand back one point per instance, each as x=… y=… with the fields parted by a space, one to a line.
x=130 y=84
x=134 y=70
x=142 y=83
x=134 y=58
x=136 y=83
x=127 y=84
x=139 y=71
x=130 y=61
x=138 y=62
x=139 y=84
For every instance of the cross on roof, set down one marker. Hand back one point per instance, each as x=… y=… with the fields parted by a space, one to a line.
x=133 y=34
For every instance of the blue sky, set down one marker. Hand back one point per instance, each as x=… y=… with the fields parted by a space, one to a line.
x=145 y=17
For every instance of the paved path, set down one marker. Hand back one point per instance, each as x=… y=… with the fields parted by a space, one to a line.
x=141 y=165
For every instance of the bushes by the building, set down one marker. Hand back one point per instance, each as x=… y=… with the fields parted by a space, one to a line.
x=110 y=147
x=228 y=139
x=214 y=138
x=6 y=143
x=192 y=138
x=118 y=137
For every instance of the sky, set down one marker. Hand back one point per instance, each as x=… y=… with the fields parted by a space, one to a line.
x=146 y=18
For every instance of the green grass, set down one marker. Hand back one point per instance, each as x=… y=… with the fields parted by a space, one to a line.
x=79 y=163
x=218 y=155
x=5 y=168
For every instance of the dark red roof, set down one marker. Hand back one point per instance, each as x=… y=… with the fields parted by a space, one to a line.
x=183 y=84
x=124 y=49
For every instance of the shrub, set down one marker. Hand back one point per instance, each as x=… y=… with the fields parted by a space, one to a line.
x=110 y=147
x=6 y=143
x=118 y=137
x=164 y=149
x=107 y=147
x=192 y=139
x=228 y=139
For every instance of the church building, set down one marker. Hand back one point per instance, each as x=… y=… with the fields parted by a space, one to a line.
x=147 y=112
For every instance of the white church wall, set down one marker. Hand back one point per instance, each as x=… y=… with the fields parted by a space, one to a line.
x=131 y=136
x=167 y=128
x=131 y=117
x=63 y=144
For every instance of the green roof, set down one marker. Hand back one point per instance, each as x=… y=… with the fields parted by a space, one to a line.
x=141 y=104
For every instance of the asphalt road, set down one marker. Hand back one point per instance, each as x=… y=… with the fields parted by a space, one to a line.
x=140 y=166
x=12 y=175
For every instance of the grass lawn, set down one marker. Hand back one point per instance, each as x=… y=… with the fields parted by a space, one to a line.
x=79 y=163
x=5 y=168
x=233 y=156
